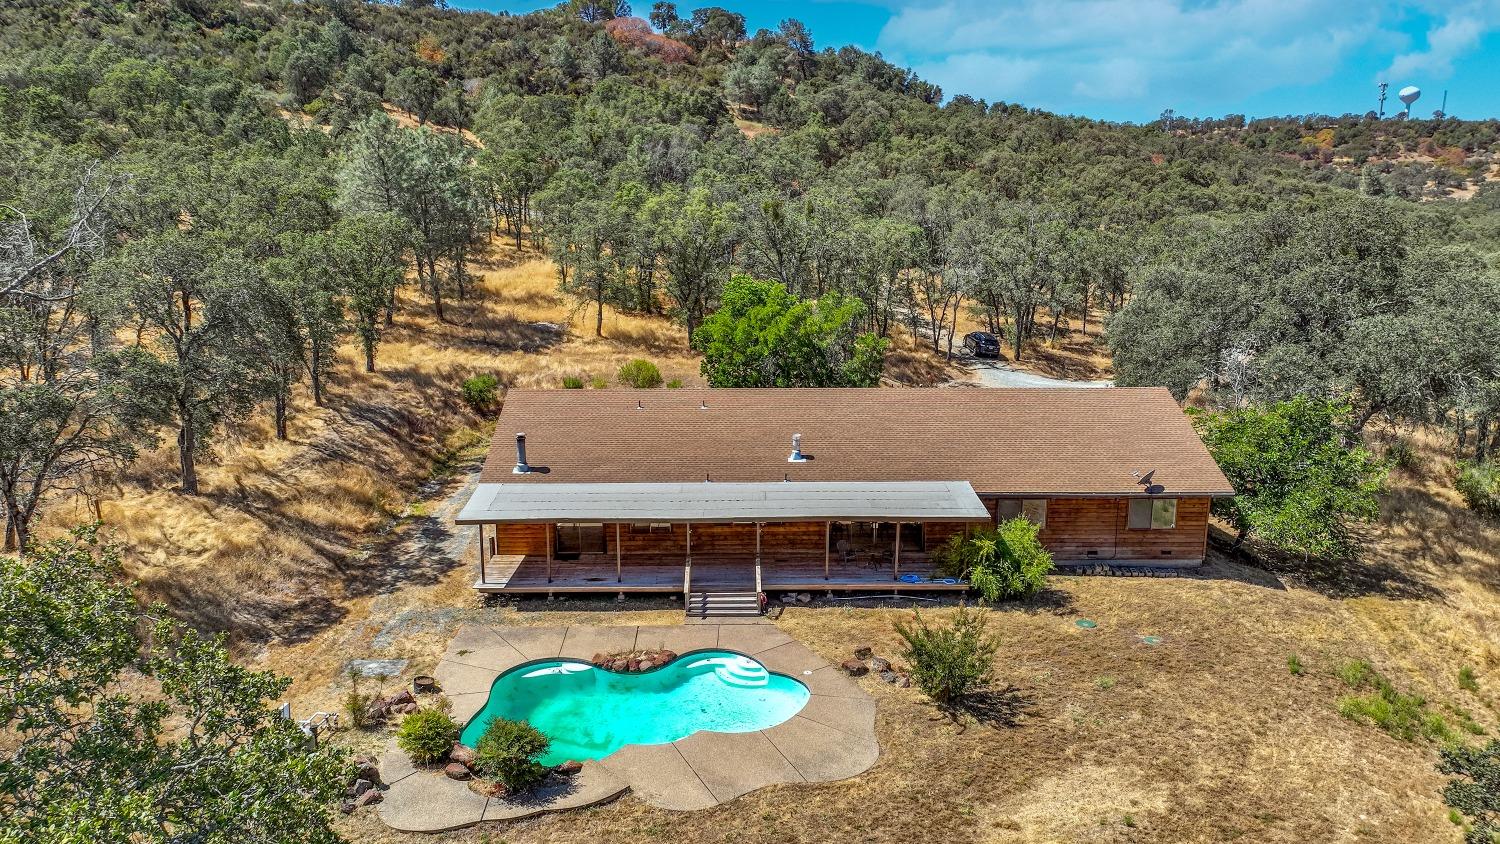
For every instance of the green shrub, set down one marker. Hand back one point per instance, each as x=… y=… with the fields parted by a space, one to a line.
x=950 y=663
x=1479 y=484
x=1002 y=562
x=1467 y=680
x=598 y=382
x=1475 y=791
x=507 y=752
x=1401 y=455
x=674 y=384
x=1294 y=664
x=572 y=382
x=427 y=735
x=641 y=374
x=357 y=704
x=481 y=392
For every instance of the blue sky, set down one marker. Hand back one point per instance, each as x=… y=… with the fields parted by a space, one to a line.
x=1129 y=59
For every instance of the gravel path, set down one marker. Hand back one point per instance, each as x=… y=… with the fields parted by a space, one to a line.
x=993 y=373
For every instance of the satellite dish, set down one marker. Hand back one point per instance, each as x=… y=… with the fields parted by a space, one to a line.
x=1409 y=95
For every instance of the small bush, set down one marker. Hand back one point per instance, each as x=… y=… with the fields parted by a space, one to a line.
x=1475 y=789
x=674 y=384
x=572 y=382
x=427 y=735
x=507 y=752
x=1104 y=682
x=1479 y=484
x=1401 y=455
x=357 y=704
x=598 y=382
x=1007 y=561
x=641 y=374
x=481 y=392
x=1467 y=680
x=1294 y=664
x=949 y=663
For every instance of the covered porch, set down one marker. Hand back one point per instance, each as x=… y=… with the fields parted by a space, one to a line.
x=765 y=537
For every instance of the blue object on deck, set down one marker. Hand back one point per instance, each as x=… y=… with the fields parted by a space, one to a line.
x=948 y=581
x=911 y=578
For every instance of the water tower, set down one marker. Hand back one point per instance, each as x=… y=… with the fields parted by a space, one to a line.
x=1409 y=95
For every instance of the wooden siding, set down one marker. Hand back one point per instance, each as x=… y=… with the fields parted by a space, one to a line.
x=1077 y=529
x=1096 y=529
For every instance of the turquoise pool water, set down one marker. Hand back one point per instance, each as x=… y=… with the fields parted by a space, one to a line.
x=589 y=713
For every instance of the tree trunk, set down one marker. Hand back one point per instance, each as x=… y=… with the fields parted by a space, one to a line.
x=280 y=407
x=12 y=542
x=437 y=291
x=369 y=356
x=317 y=375
x=1481 y=438
x=599 y=313
x=185 y=444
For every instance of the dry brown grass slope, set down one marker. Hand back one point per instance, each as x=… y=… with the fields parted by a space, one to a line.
x=286 y=533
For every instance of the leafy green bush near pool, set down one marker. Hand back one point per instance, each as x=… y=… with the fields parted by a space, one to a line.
x=1007 y=561
x=951 y=662
x=508 y=752
x=427 y=735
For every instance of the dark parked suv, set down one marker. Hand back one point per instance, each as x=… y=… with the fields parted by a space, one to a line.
x=982 y=344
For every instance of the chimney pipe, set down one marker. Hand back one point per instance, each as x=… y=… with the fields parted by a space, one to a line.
x=796 y=450
x=521 y=465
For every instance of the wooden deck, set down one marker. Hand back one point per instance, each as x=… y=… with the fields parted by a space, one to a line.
x=528 y=574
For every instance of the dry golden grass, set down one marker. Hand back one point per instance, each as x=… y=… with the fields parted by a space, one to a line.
x=278 y=543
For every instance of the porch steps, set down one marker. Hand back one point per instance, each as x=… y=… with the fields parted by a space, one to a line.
x=723 y=604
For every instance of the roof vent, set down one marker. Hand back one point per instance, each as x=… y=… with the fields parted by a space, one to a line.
x=702 y=405
x=640 y=405
x=796 y=456
x=521 y=466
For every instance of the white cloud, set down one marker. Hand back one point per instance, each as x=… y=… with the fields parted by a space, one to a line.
x=1455 y=34
x=1192 y=55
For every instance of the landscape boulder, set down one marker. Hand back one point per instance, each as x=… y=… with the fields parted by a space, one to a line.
x=854 y=667
x=456 y=771
x=366 y=768
x=369 y=798
x=462 y=754
x=569 y=768
x=634 y=662
x=863 y=652
x=804 y=597
x=359 y=787
x=879 y=665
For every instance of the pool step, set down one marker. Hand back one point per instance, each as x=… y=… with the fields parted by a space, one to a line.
x=723 y=604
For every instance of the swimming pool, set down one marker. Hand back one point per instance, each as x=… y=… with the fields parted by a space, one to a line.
x=589 y=712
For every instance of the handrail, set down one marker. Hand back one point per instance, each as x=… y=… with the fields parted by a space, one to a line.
x=687 y=580
x=758 y=590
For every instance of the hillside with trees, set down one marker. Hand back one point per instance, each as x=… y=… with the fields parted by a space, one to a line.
x=266 y=268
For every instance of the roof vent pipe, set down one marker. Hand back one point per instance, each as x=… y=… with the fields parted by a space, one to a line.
x=796 y=450
x=521 y=465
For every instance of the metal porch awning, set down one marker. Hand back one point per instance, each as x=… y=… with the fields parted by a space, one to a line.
x=796 y=501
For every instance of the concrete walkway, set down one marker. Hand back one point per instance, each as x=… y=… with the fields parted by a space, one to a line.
x=832 y=738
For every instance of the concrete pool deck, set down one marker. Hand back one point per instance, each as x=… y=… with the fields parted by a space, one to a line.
x=831 y=738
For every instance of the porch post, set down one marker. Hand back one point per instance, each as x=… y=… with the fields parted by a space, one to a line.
x=481 y=554
x=757 y=557
x=617 y=553
x=827 y=537
x=549 y=552
x=896 y=559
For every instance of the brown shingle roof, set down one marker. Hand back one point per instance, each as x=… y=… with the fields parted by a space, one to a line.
x=1004 y=441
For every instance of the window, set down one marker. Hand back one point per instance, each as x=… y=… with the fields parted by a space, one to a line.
x=650 y=527
x=1031 y=509
x=1153 y=513
x=579 y=538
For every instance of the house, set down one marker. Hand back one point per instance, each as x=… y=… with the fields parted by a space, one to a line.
x=762 y=490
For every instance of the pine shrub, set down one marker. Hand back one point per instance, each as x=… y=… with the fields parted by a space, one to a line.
x=508 y=752
x=950 y=662
x=641 y=374
x=427 y=735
